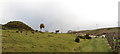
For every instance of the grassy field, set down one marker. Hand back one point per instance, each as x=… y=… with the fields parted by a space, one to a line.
x=48 y=42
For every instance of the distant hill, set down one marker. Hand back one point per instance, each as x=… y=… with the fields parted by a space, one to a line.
x=16 y=25
x=115 y=31
x=105 y=30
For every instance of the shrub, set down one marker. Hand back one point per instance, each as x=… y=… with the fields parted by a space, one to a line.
x=52 y=32
x=87 y=36
x=17 y=31
x=77 y=40
x=36 y=30
x=32 y=32
x=40 y=31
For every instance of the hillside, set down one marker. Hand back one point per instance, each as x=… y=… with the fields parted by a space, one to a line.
x=16 y=25
x=50 y=42
x=105 y=30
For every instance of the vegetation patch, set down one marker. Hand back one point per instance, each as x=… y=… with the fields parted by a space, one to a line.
x=47 y=42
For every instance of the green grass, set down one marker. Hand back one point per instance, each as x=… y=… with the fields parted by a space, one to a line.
x=47 y=42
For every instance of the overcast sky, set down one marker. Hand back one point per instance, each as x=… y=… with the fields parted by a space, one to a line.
x=61 y=14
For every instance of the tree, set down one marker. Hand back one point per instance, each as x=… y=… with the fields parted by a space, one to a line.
x=42 y=26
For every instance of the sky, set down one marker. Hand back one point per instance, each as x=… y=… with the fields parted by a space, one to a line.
x=61 y=14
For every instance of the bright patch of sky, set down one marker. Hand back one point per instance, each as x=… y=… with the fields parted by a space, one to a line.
x=61 y=14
